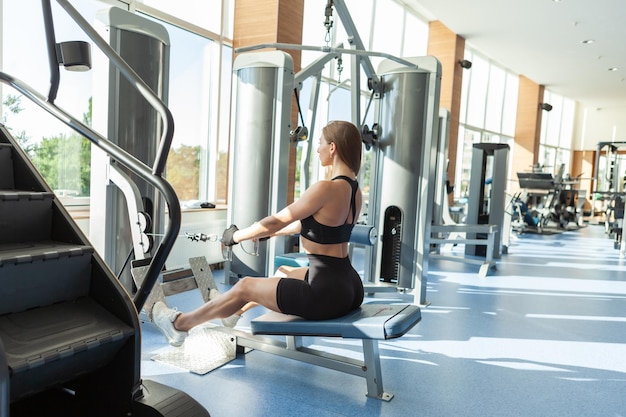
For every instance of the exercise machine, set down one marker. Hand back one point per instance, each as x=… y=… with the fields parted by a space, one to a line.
x=126 y=211
x=404 y=188
x=70 y=335
x=404 y=143
x=262 y=86
x=486 y=199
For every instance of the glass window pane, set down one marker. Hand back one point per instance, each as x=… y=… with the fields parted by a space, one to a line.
x=192 y=78
x=553 y=121
x=194 y=12
x=415 y=36
x=389 y=27
x=547 y=158
x=361 y=14
x=467 y=138
x=467 y=81
x=509 y=111
x=221 y=172
x=563 y=158
x=478 y=92
x=495 y=98
x=61 y=155
x=567 y=124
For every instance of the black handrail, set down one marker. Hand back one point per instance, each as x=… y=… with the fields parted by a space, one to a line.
x=151 y=175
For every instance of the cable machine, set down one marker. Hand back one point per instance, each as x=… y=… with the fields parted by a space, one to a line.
x=404 y=186
x=260 y=143
x=404 y=143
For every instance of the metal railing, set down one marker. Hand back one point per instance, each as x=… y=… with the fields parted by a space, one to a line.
x=152 y=175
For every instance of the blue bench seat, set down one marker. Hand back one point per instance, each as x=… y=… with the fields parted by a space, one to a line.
x=369 y=323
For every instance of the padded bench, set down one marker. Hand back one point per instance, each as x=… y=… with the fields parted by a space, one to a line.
x=370 y=323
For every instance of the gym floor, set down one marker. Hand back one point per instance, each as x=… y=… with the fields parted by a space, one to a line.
x=542 y=335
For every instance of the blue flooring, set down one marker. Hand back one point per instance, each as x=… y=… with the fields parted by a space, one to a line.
x=542 y=335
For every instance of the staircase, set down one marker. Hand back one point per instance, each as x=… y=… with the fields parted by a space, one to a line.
x=69 y=333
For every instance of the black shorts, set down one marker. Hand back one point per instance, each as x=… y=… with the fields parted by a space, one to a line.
x=332 y=288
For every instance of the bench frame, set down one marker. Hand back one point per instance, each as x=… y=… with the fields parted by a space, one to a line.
x=293 y=348
x=457 y=235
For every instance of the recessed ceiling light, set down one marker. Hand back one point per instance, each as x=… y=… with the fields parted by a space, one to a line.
x=587 y=41
x=613 y=69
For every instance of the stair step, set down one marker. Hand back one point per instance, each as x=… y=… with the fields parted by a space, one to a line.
x=51 y=345
x=6 y=167
x=36 y=274
x=25 y=215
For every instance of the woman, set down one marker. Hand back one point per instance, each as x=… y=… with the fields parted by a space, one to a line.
x=324 y=216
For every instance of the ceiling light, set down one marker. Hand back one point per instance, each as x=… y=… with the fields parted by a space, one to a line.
x=613 y=69
x=587 y=41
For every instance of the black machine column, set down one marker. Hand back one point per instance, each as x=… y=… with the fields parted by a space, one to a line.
x=487 y=193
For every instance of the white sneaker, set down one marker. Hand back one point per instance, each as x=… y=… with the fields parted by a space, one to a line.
x=228 y=321
x=213 y=293
x=231 y=321
x=164 y=318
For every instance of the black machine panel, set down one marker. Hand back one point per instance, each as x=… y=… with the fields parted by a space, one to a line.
x=392 y=244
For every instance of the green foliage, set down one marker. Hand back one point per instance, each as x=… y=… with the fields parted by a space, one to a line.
x=183 y=171
x=13 y=104
x=63 y=160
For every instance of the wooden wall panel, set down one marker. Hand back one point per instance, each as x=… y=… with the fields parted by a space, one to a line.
x=449 y=49
x=272 y=21
x=525 y=150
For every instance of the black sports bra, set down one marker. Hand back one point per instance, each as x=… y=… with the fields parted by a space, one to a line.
x=313 y=230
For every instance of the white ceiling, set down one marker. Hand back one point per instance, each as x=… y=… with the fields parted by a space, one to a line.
x=541 y=39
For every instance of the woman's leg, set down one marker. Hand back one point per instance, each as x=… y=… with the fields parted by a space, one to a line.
x=256 y=290
x=247 y=293
x=297 y=272
x=282 y=272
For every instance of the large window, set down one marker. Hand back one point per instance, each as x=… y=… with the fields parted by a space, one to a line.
x=61 y=155
x=488 y=109
x=557 y=128
x=383 y=26
x=194 y=13
x=199 y=94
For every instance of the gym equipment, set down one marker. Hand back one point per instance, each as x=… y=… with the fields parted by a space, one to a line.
x=404 y=187
x=259 y=152
x=457 y=234
x=441 y=215
x=370 y=323
x=120 y=200
x=548 y=199
x=609 y=187
x=404 y=143
x=70 y=333
x=486 y=198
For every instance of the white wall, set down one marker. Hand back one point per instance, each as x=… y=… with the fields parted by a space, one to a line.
x=593 y=125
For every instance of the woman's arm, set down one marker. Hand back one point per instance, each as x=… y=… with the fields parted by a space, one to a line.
x=291 y=229
x=286 y=221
